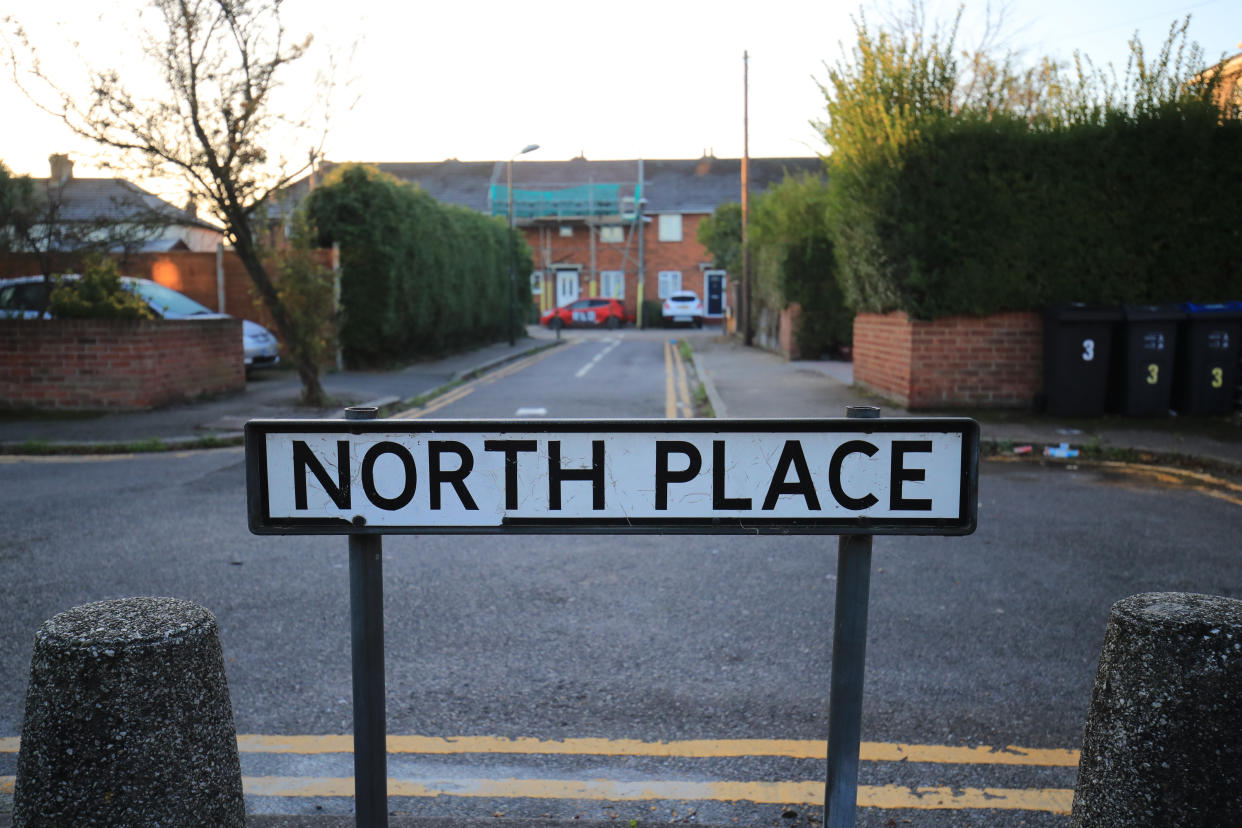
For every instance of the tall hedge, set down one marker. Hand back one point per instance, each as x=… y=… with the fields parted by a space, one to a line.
x=985 y=215
x=418 y=277
x=970 y=187
x=792 y=250
x=792 y=259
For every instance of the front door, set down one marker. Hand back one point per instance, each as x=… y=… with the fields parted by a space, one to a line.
x=715 y=292
x=566 y=287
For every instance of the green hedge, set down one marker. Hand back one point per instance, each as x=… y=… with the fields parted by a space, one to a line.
x=792 y=256
x=418 y=278
x=985 y=215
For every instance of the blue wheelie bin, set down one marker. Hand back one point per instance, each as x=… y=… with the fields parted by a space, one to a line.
x=1207 y=375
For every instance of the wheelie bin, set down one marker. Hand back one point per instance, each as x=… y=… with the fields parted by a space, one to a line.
x=1145 y=369
x=1077 y=348
x=1207 y=375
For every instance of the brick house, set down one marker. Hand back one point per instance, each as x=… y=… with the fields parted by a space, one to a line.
x=112 y=214
x=581 y=219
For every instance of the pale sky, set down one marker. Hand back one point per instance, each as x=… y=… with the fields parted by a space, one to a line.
x=480 y=80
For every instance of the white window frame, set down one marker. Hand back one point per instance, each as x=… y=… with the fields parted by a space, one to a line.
x=616 y=231
x=613 y=280
x=670 y=283
x=536 y=283
x=670 y=227
x=566 y=231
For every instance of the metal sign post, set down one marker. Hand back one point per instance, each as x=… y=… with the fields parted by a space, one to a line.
x=849 y=652
x=854 y=477
x=366 y=616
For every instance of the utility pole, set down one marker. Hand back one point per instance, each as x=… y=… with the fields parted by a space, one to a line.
x=748 y=333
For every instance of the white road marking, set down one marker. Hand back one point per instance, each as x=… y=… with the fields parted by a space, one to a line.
x=612 y=343
x=531 y=412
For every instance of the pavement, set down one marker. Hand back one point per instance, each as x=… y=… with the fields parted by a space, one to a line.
x=748 y=382
x=740 y=382
x=403 y=821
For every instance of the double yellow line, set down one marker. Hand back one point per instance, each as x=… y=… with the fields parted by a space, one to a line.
x=465 y=390
x=686 y=748
x=675 y=375
x=1168 y=477
x=809 y=792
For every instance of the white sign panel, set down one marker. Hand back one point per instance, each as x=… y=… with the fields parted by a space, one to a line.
x=803 y=476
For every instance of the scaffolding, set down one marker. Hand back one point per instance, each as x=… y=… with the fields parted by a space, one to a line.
x=592 y=203
x=571 y=202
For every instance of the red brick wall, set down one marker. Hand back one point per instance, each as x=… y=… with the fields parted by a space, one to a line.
x=105 y=364
x=789 y=329
x=882 y=354
x=993 y=361
x=777 y=331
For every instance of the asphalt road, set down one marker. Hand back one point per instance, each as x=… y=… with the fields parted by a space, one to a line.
x=662 y=678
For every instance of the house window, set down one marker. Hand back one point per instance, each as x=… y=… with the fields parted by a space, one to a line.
x=612 y=284
x=670 y=282
x=536 y=283
x=612 y=234
x=670 y=227
x=567 y=231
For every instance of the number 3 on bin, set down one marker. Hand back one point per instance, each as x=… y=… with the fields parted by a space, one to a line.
x=1088 y=350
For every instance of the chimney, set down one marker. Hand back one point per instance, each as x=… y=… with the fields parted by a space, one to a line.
x=62 y=168
x=191 y=207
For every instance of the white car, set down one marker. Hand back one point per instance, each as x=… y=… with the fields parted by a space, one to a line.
x=683 y=306
x=26 y=297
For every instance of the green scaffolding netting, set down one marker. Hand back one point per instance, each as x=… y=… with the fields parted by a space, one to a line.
x=583 y=200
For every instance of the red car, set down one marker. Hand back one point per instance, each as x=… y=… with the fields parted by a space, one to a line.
x=609 y=313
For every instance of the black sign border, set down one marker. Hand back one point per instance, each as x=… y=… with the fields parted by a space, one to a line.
x=261 y=523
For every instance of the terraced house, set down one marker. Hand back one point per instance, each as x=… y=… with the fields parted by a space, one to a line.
x=582 y=219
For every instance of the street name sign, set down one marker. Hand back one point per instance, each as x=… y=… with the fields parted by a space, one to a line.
x=797 y=476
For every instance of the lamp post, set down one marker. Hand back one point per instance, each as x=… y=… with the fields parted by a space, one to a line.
x=512 y=263
x=641 y=223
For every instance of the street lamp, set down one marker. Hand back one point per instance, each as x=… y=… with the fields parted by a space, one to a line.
x=512 y=263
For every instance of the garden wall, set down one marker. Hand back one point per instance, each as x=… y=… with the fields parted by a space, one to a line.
x=117 y=365
x=778 y=331
x=957 y=361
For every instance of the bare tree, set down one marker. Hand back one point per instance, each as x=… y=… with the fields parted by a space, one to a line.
x=213 y=124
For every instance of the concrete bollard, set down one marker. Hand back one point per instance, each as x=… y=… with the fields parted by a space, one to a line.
x=128 y=720
x=1163 y=741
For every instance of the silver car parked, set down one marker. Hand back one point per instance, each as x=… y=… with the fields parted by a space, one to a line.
x=26 y=297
